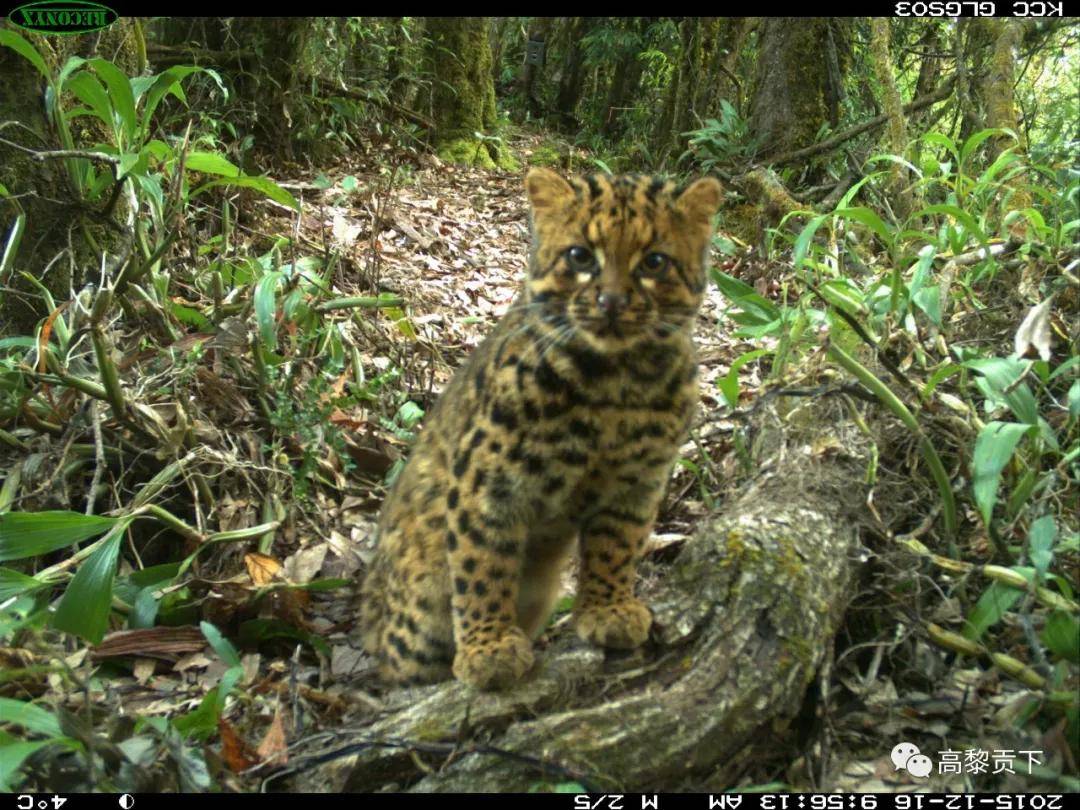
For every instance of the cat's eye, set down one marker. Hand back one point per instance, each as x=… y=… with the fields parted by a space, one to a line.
x=580 y=258
x=655 y=263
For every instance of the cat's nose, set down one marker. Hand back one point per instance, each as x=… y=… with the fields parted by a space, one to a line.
x=611 y=303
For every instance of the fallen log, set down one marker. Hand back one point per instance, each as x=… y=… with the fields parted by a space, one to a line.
x=744 y=618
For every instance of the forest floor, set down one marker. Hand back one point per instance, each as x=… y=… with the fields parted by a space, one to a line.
x=452 y=243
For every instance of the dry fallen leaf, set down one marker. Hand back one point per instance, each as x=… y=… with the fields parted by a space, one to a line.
x=261 y=568
x=1034 y=331
x=273 y=750
x=236 y=752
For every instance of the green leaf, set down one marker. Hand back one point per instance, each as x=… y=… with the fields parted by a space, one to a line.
x=409 y=414
x=30 y=716
x=802 y=243
x=993 y=449
x=960 y=215
x=729 y=384
x=1074 y=399
x=928 y=299
x=972 y=143
x=225 y=650
x=91 y=92
x=191 y=317
x=12 y=755
x=266 y=307
x=26 y=50
x=14 y=583
x=211 y=163
x=123 y=100
x=264 y=185
x=758 y=308
x=992 y=605
x=163 y=83
x=998 y=383
x=28 y=534
x=84 y=609
x=1061 y=635
x=1041 y=543
x=870 y=220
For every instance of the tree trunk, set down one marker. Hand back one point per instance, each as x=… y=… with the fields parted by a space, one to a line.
x=462 y=98
x=44 y=195
x=743 y=618
x=895 y=129
x=623 y=89
x=690 y=64
x=539 y=31
x=572 y=79
x=789 y=103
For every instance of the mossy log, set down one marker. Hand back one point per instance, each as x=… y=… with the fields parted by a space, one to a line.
x=744 y=617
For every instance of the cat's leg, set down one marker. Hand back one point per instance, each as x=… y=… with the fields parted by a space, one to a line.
x=550 y=545
x=606 y=612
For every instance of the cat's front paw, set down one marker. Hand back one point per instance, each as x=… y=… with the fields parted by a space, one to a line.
x=494 y=663
x=621 y=625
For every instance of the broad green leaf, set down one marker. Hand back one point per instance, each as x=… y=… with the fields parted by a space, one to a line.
x=211 y=163
x=961 y=216
x=1041 y=543
x=844 y=295
x=942 y=140
x=802 y=243
x=191 y=317
x=26 y=50
x=123 y=100
x=972 y=143
x=998 y=383
x=992 y=605
x=928 y=299
x=91 y=92
x=1074 y=399
x=163 y=83
x=221 y=645
x=28 y=534
x=870 y=220
x=30 y=716
x=849 y=195
x=264 y=185
x=84 y=609
x=993 y=449
x=729 y=383
x=12 y=755
x=757 y=307
x=266 y=307
x=1061 y=635
x=14 y=583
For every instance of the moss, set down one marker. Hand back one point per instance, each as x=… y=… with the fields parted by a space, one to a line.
x=546 y=155
x=474 y=152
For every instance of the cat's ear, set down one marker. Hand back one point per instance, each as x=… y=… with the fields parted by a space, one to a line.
x=701 y=200
x=547 y=189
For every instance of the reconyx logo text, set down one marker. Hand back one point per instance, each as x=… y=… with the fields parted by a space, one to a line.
x=62 y=16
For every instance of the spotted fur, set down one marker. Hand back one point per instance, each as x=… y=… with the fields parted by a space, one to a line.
x=558 y=435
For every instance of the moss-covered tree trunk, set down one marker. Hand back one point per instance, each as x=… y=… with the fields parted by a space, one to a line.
x=686 y=87
x=623 y=88
x=996 y=91
x=572 y=80
x=52 y=248
x=723 y=75
x=743 y=618
x=462 y=98
x=539 y=31
x=789 y=101
x=895 y=127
